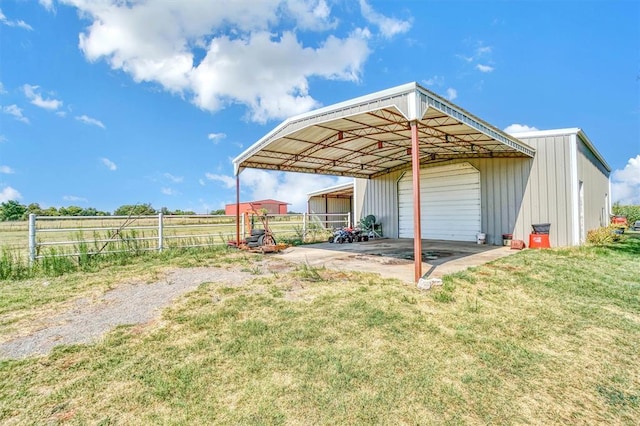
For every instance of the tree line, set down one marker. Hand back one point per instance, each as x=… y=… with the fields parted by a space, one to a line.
x=13 y=210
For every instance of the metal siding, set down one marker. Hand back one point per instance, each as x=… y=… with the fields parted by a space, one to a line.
x=339 y=205
x=515 y=193
x=317 y=205
x=380 y=199
x=547 y=197
x=596 y=188
x=502 y=184
x=330 y=205
x=359 y=191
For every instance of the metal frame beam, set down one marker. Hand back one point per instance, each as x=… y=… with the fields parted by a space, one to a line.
x=417 y=233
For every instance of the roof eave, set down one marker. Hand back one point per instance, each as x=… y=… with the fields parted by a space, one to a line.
x=342 y=186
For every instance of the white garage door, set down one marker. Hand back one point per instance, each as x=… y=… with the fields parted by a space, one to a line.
x=449 y=200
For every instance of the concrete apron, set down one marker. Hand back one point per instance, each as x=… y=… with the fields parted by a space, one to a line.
x=394 y=258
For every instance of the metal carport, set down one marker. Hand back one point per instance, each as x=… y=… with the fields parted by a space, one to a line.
x=398 y=128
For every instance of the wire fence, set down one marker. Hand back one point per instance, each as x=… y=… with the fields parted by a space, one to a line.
x=63 y=236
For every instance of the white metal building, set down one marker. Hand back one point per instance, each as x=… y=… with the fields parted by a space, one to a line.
x=427 y=168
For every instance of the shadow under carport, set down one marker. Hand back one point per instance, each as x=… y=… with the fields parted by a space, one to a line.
x=393 y=258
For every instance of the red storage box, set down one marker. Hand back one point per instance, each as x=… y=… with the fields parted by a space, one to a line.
x=539 y=241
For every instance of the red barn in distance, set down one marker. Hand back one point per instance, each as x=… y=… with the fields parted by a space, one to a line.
x=271 y=206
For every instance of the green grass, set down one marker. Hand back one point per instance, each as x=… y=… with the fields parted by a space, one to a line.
x=70 y=235
x=542 y=337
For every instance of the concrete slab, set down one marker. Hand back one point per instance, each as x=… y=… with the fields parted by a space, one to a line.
x=394 y=258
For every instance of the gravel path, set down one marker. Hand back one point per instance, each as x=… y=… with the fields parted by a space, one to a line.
x=127 y=304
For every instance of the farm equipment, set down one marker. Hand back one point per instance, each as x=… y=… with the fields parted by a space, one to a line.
x=620 y=223
x=348 y=235
x=261 y=240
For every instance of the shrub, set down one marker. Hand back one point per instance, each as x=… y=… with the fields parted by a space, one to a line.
x=603 y=235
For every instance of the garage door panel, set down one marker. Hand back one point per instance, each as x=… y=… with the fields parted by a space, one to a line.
x=449 y=200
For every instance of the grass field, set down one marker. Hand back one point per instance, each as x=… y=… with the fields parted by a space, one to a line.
x=541 y=337
x=63 y=235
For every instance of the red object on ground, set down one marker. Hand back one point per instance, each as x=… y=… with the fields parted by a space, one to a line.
x=539 y=241
x=517 y=244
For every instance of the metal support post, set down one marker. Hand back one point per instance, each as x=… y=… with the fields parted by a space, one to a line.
x=238 y=211
x=415 y=169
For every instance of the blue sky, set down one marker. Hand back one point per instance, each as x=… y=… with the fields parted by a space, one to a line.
x=104 y=103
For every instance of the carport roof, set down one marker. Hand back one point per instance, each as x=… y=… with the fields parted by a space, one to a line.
x=370 y=136
x=343 y=190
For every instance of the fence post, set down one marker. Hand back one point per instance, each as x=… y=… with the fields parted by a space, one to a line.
x=32 y=238
x=243 y=216
x=304 y=225
x=160 y=232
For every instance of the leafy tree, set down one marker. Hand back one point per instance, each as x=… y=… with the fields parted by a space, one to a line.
x=89 y=211
x=631 y=212
x=135 y=210
x=51 y=211
x=219 y=212
x=70 y=211
x=33 y=208
x=12 y=210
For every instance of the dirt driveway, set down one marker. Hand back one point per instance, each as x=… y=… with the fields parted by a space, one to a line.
x=393 y=258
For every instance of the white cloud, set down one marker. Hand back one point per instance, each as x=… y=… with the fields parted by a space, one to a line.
x=168 y=191
x=31 y=92
x=436 y=80
x=73 y=198
x=90 y=121
x=3 y=138
x=228 y=181
x=15 y=112
x=625 y=183
x=452 y=93
x=201 y=182
x=288 y=187
x=484 y=68
x=8 y=193
x=216 y=137
x=6 y=170
x=2 y=91
x=252 y=52
x=174 y=179
x=519 y=128
x=47 y=4
x=109 y=164
x=483 y=50
x=388 y=26
x=465 y=58
x=312 y=15
x=19 y=23
x=480 y=59
x=270 y=75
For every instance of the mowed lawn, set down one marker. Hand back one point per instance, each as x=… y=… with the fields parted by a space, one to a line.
x=542 y=337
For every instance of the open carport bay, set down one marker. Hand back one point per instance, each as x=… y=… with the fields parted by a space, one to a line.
x=393 y=258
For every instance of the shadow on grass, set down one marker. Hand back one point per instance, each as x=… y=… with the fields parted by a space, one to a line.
x=630 y=245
